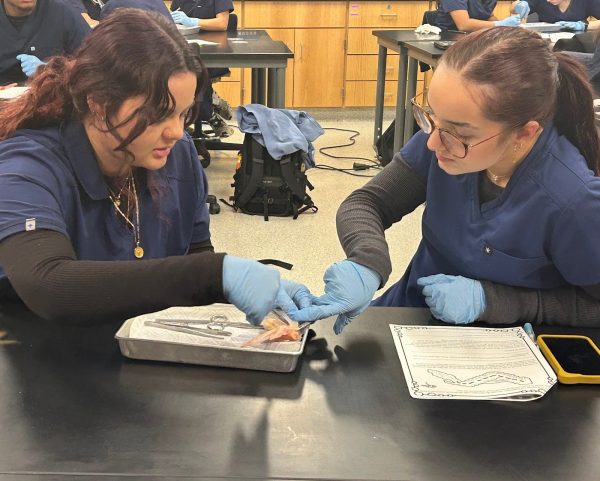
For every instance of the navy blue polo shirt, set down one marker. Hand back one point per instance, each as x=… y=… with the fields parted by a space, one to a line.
x=151 y=5
x=53 y=28
x=477 y=9
x=202 y=8
x=542 y=232
x=578 y=10
x=50 y=179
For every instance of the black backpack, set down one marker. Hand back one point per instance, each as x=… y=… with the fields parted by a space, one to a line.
x=265 y=186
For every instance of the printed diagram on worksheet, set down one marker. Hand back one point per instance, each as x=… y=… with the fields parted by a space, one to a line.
x=453 y=362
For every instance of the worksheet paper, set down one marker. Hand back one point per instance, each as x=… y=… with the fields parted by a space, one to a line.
x=12 y=92
x=202 y=42
x=452 y=362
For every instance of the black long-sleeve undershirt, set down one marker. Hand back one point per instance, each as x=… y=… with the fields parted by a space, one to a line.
x=397 y=191
x=46 y=275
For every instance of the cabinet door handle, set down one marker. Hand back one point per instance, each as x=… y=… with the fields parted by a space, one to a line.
x=389 y=69
x=388 y=95
x=301 y=51
x=388 y=15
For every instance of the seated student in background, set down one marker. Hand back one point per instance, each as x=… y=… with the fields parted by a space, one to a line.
x=571 y=14
x=88 y=9
x=31 y=31
x=591 y=61
x=149 y=5
x=208 y=15
x=470 y=15
x=103 y=211
x=508 y=171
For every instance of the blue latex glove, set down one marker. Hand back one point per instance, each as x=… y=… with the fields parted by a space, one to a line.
x=293 y=296
x=512 y=21
x=183 y=19
x=522 y=9
x=453 y=299
x=29 y=63
x=250 y=286
x=578 y=26
x=349 y=288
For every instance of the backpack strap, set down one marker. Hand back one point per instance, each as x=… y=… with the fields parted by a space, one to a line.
x=265 y=205
x=290 y=179
x=255 y=177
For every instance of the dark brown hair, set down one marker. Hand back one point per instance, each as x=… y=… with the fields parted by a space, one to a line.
x=525 y=81
x=130 y=53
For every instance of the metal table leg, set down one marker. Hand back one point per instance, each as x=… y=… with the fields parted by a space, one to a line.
x=258 y=86
x=379 y=95
x=411 y=91
x=401 y=99
x=276 y=88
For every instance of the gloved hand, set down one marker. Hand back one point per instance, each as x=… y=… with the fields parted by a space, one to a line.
x=183 y=19
x=578 y=26
x=522 y=9
x=453 y=299
x=29 y=63
x=349 y=288
x=250 y=286
x=512 y=21
x=293 y=296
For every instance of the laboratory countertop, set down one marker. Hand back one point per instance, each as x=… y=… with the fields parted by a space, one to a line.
x=72 y=405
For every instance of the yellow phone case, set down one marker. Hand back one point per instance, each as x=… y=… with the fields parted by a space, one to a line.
x=566 y=377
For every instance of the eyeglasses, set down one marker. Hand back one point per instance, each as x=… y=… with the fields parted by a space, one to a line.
x=455 y=146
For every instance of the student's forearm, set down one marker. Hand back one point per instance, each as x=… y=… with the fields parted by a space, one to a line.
x=472 y=25
x=218 y=24
x=568 y=305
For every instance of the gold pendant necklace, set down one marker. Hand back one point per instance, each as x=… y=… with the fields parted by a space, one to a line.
x=138 y=250
x=495 y=178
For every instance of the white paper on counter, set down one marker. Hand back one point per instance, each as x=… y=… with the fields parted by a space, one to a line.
x=452 y=362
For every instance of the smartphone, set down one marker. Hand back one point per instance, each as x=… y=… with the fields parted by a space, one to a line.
x=576 y=359
x=442 y=44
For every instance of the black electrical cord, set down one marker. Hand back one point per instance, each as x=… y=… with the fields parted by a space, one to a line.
x=349 y=171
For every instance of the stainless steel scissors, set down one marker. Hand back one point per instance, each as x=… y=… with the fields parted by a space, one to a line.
x=178 y=326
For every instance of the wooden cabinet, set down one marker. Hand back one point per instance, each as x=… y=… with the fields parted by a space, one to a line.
x=502 y=10
x=287 y=36
x=335 y=52
x=362 y=48
x=315 y=31
x=319 y=67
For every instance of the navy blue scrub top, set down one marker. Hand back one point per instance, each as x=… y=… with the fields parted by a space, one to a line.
x=478 y=9
x=202 y=8
x=76 y=5
x=150 y=5
x=578 y=10
x=542 y=232
x=52 y=176
x=52 y=29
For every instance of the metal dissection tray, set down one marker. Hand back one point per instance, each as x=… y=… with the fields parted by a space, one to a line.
x=141 y=343
x=188 y=30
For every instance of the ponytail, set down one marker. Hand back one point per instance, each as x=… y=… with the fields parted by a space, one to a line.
x=574 y=114
x=46 y=103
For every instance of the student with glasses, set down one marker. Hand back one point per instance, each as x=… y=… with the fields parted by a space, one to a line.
x=507 y=165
